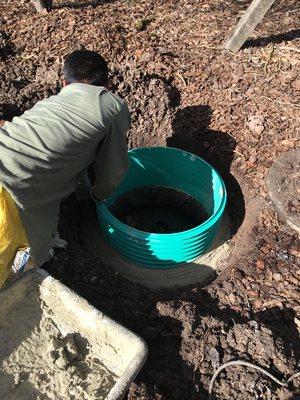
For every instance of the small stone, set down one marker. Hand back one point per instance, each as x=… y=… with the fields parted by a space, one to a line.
x=71 y=349
x=256 y=124
x=214 y=357
x=162 y=50
x=253 y=324
x=94 y=279
x=297 y=323
x=17 y=379
x=277 y=277
x=252 y=159
x=62 y=360
x=146 y=57
x=232 y=298
x=257 y=304
x=296 y=84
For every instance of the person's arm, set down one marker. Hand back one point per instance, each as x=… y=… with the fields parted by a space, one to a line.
x=111 y=161
x=2 y=122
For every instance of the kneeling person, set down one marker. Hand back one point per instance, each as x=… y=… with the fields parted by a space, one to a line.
x=44 y=152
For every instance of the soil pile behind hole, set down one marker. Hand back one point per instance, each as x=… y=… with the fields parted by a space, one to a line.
x=158 y=209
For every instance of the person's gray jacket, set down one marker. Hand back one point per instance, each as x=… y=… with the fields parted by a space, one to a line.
x=43 y=153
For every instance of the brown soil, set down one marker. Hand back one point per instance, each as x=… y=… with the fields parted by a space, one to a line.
x=238 y=112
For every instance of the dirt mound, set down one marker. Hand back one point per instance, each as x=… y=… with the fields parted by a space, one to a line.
x=149 y=103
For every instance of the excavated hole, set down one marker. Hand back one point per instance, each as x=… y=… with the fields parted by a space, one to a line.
x=158 y=209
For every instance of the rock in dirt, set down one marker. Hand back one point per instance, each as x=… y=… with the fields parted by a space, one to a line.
x=256 y=124
x=283 y=181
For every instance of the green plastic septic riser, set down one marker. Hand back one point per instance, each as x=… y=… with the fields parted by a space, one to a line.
x=177 y=169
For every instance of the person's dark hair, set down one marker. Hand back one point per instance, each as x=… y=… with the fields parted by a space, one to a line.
x=86 y=66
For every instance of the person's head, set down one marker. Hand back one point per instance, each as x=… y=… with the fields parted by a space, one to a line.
x=85 y=66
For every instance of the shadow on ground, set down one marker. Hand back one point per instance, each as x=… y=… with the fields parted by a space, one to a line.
x=276 y=39
x=8 y=49
x=8 y=111
x=80 y=4
x=191 y=132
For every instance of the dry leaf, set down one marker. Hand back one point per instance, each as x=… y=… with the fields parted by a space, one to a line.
x=260 y=264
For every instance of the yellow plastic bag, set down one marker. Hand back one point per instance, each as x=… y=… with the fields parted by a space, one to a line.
x=12 y=234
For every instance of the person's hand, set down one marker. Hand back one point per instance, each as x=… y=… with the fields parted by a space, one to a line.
x=95 y=198
x=58 y=242
x=2 y=122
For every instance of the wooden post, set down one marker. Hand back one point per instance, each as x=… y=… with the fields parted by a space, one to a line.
x=253 y=15
x=39 y=5
x=49 y=4
x=42 y=5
